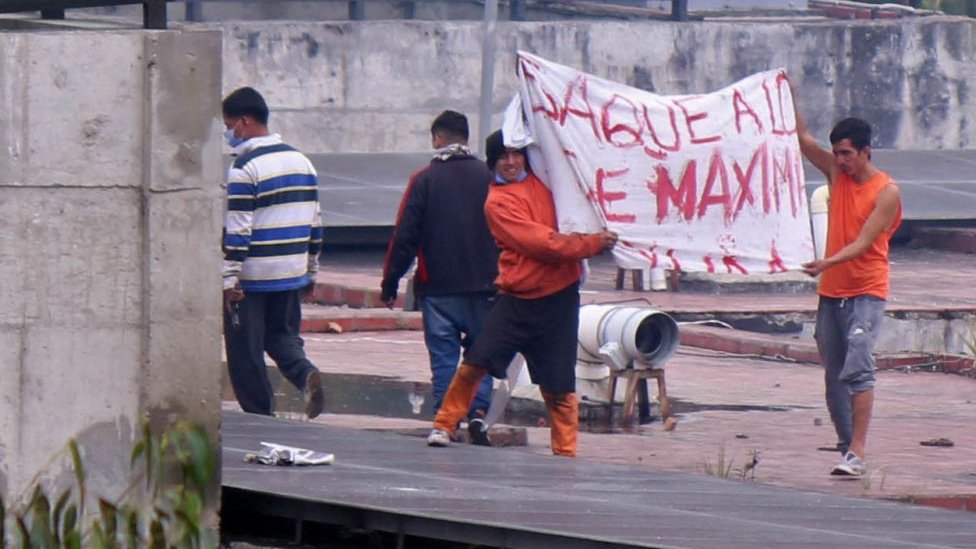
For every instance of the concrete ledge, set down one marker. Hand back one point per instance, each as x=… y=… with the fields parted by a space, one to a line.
x=749 y=343
x=740 y=342
x=348 y=295
x=954 y=239
x=318 y=319
x=350 y=307
x=725 y=284
x=952 y=503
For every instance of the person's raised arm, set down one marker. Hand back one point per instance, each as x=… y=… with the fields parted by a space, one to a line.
x=820 y=157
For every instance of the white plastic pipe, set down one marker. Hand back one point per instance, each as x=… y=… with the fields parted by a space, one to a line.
x=609 y=335
x=819 y=207
x=626 y=336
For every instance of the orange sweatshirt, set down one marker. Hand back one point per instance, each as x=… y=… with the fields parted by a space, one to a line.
x=850 y=205
x=536 y=260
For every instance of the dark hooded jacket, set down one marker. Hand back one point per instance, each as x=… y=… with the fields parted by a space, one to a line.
x=441 y=222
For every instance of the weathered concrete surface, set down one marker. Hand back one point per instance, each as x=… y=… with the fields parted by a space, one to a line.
x=374 y=86
x=108 y=257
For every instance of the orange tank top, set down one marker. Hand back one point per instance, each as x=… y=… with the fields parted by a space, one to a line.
x=850 y=205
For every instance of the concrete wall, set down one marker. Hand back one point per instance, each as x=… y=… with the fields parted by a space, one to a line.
x=374 y=86
x=109 y=253
x=929 y=333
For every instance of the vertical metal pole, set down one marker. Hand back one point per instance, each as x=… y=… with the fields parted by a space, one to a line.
x=517 y=10
x=679 y=10
x=487 y=72
x=409 y=10
x=193 y=11
x=154 y=14
x=357 y=10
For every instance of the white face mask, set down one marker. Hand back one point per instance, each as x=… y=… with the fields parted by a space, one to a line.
x=232 y=140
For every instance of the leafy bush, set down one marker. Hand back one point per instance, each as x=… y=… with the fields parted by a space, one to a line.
x=162 y=507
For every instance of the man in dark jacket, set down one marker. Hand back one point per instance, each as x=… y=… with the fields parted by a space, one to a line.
x=442 y=223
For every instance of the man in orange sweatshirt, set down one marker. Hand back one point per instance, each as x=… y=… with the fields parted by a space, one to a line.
x=537 y=309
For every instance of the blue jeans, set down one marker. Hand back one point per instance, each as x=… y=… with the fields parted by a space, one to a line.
x=846 y=332
x=450 y=323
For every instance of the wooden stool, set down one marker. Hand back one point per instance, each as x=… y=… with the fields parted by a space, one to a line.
x=637 y=391
x=636 y=279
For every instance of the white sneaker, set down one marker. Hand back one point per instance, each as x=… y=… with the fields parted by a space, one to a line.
x=438 y=438
x=851 y=466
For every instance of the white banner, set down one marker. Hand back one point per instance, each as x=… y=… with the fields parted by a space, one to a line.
x=706 y=183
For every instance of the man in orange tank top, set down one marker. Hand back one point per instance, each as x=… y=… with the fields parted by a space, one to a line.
x=865 y=211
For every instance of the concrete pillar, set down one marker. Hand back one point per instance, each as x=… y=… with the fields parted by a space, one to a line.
x=109 y=253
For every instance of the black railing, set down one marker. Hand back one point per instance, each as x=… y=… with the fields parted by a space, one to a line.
x=154 y=11
x=517 y=8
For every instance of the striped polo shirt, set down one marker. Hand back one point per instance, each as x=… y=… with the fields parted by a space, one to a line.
x=273 y=226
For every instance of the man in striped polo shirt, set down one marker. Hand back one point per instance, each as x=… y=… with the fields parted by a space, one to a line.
x=272 y=238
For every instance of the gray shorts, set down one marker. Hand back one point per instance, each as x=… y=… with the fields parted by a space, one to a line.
x=847 y=329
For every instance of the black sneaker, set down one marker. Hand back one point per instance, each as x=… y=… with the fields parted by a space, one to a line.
x=314 y=399
x=478 y=432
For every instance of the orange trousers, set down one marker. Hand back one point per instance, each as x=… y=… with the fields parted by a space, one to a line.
x=563 y=409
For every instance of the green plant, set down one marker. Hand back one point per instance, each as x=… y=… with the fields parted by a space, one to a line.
x=868 y=477
x=163 y=505
x=722 y=468
x=969 y=338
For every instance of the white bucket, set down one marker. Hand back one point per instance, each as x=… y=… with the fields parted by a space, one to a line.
x=659 y=280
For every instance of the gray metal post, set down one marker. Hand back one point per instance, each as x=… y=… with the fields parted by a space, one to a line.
x=487 y=72
x=193 y=10
x=357 y=10
x=679 y=10
x=516 y=10
x=154 y=14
